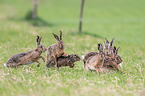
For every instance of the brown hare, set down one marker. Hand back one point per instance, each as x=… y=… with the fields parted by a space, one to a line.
x=95 y=62
x=28 y=57
x=55 y=50
x=118 y=59
x=112 y=61
x=110 y=51
x=111 y=56
x=64 y=61
x=107 y=47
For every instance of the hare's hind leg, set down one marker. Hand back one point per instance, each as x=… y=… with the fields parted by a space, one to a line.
x=13 y=65
x=72 y=65
x=97 y=70
x=38 y=63
x=43 y=58
x=18 y=64
x=46 y=61
x=64 y=54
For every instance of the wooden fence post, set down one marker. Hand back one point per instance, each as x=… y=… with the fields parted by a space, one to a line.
x=81 y=16
x=34 y=12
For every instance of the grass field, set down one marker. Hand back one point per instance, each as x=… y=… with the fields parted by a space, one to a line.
x=123 y=20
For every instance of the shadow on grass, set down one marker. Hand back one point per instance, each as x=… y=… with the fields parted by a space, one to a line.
x=87 y=33
x=38 y=22
x=92 y=34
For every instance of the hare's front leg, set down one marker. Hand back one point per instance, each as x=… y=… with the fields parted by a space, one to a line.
x=38 y=63
x=102 y=70
x=64 y=54
x=97 y=69
x=47 y=57
x=86 y=68
x=55 y=61
x=117 y=68
x=43 y=58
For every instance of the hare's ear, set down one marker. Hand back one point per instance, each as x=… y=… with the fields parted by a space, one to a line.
x=37 y=40
x=106 y=41
x=114 y=50
x=60 y=35
x=109 y=48
x=40 y=39
x=56 y=37
x=117 y=50
x=104 y=45
x=111 y=44
x=100 y=48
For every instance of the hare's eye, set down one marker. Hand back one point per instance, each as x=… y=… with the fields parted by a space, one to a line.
x=117 y=58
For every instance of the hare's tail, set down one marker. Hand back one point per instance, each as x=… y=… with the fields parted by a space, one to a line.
x=83 y=56
x=120 y=65
x=5 y=64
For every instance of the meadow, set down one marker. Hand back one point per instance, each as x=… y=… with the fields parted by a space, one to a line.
x=123 y=20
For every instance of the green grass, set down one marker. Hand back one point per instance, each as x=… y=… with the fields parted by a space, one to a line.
x=123 y=20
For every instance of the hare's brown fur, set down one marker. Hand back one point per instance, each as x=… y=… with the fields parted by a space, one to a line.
x=107 y=48
x=112 y=59
x=111 y=51
x=64 y=61
x=27 y=57
x=111 y=64
x=55 y=50
x=89 y=55
x=95 y=62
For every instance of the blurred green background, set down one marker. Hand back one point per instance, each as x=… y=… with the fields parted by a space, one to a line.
x=123 y=20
